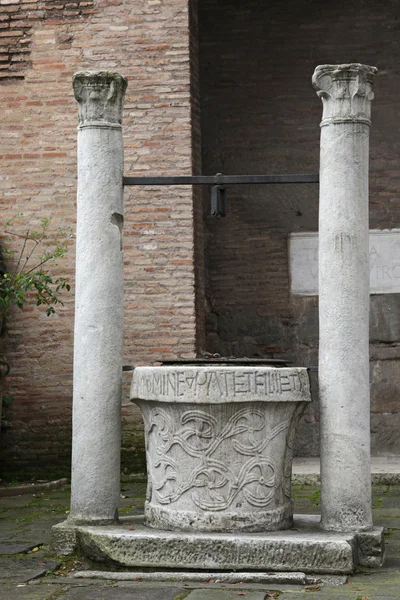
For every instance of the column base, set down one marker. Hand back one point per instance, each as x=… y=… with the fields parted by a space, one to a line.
x=64 y=540
x=279 y=518
x=334 y=528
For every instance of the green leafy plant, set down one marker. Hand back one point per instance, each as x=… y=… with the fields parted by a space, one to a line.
x=29 y=274
x=316 y=497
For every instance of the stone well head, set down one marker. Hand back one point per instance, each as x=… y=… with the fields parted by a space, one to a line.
x=219 y=444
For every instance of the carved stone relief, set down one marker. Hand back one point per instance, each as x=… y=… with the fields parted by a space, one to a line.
x=220 y=466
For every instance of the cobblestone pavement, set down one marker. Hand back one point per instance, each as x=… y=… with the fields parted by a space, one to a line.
x=28 y=571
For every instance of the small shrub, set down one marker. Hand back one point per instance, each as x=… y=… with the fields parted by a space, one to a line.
x=30 y=274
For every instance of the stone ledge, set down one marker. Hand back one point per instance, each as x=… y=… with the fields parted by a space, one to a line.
x=255 y=577
x=384 y=470
x=33 y=488
x=304 y=548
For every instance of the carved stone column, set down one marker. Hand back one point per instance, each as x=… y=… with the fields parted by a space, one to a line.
x=99 y=299
x=345 y=91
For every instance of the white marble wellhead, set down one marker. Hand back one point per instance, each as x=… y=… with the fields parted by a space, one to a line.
x=219 y=444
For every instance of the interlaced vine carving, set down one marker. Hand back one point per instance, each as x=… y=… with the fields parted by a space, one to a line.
x=214 y=485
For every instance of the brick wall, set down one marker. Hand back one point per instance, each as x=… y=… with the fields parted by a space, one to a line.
x=242 y=103
x=17 y=19
x=198 y=221
x=45 y=43
x=260 y=114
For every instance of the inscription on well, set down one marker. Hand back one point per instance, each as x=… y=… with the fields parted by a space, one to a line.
x=226 y=383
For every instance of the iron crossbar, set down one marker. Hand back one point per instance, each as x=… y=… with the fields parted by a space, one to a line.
x=218 y=191
x=220 y=179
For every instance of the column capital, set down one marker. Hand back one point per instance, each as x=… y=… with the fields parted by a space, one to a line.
x=346 y=92
x=100 y=97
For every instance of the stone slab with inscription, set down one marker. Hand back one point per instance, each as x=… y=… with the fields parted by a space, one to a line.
x=219 y=384
x=219 y=444
x=384 y=256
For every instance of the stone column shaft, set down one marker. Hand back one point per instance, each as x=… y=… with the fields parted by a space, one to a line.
x=346 y=94
x=99 y=300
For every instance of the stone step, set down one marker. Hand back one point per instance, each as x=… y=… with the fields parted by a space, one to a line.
x=304 y=548
x=214 y=577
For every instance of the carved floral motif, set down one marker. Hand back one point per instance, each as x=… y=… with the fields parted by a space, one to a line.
x=100 y=96
x=345 y=91
x=214 y=484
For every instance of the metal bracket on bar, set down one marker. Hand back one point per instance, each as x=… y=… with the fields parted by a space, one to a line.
x=218 y=201
x=218 y=193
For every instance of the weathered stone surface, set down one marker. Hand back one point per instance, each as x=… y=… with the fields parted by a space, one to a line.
x=385 y=470
x=17 y=548
x=223 y=595
x=384 y=257
x=24 y=569
x=30 y=592
x=371 y=548
x=98 y=300
x=385 y=321
x=105 y=593
x=346 y=94
x=229 y=521
x=305 y=549
x=385 y=386
x=220 y=445
x=220 y=384
x=385 y=433
x=331 y=580
x=63 y=539
x=34 y=488
x=381 y=351
x=100 y=96
x=199 y=576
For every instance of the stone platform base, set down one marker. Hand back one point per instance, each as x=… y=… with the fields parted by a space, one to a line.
x=304 y=548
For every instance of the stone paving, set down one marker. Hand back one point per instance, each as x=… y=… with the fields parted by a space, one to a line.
x=28 y=571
